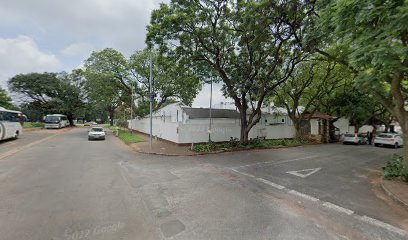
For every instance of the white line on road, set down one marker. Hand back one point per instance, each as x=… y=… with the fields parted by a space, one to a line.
x=245 y=174
x=383 y=225
x=299 y=194
x=338 y=208
x=271 y=183
x=274 y=162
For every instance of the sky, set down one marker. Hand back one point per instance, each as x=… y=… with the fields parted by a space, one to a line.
x=58 y=35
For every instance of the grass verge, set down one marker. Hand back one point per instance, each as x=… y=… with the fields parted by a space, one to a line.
x=128 y=137
x=33 y=125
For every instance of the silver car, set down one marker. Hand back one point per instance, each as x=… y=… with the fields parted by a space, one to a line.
x=354 y=138
x=96 y=133
x=389 y=139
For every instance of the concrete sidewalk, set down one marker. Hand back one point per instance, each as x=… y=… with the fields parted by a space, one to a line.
x=398 y=190
x=161 y=147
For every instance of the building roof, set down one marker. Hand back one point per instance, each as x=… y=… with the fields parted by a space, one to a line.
x=317 y=115
x=215 y=113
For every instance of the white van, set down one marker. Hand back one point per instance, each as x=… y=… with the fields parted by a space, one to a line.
x=11 y=123
x=55 y=121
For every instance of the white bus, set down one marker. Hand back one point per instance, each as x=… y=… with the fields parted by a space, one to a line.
x=11 y=123
x=55 y=121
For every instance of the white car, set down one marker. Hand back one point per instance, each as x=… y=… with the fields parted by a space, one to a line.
x=354 y=138
x=388 y=139
x=96 y=133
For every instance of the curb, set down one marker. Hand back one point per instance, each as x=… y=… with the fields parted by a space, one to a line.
x=393 y=196
x=216 y=152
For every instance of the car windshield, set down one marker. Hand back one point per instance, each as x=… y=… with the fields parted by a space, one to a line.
x=349 y=135
x=386 y=136
x=97 y=130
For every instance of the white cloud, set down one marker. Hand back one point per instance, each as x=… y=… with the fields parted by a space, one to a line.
x=119 y=24
x=22 y=55
x=203 y=98
x=78 y=50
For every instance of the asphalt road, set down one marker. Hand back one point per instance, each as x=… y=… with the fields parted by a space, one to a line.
x=60 y=186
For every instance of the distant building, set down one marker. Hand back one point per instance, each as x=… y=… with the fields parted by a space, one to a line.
x=182 y=124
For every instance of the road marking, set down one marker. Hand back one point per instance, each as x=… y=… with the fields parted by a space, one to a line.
x=338 y=208
x=383 y=225
x=245 y=174
x=19 y=149
x=309 y=171
x=271 y=183
x=274 y=162
x=299 y=194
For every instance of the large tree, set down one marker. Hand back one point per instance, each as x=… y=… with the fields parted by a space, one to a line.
x=171 y=79
x=50 y=92
x=373 y=37
x=5 y=100
x=103 y=92
x=311 y=81
x=252 y=46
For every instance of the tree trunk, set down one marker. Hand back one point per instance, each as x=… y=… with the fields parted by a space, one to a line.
x=298 y=127
x=244 y=124
x=111 y=117
x=387 y=127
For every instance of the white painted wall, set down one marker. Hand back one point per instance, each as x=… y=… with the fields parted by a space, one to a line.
x=314 y=126
x=196 y=130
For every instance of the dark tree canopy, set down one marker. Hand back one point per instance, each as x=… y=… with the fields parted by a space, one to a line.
x=251 y=45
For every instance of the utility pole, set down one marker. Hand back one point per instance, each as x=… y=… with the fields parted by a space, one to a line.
x=151 y=102
x=210 y=128
x=131 y=107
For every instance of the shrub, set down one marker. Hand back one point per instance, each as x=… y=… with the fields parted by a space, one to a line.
x=122 y=123
x=232 y=143
x=208 y=147
x=395 y=169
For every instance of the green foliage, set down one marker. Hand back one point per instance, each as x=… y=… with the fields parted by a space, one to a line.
x=122 y=123
x=128 y=137
x=33 y=125
x=208 y=147
x=311 y=81
x=111 y=78
x=395 y=169
x=50 y=92
x=252 y=46
x=371 y=38
x=255 y=143
x=5 y=100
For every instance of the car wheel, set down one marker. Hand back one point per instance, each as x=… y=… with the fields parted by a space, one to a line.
x=376 y=144
x=396 y=145
x=89 y=139
x=16 y=135
x=359 y=143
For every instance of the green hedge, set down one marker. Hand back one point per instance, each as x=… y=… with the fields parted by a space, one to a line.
x=395 y=169
x=256 y=143
x=33 y=125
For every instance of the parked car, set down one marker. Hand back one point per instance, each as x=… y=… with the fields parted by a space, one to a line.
x=354 y=138
x=388 y=139
x=96 y=133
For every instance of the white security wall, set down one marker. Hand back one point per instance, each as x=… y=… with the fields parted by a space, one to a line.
x=163 y=129
x=344 y=125
x=273 y=131
x=196 y=131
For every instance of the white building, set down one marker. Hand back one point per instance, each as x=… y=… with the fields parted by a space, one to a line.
x=182 y=125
